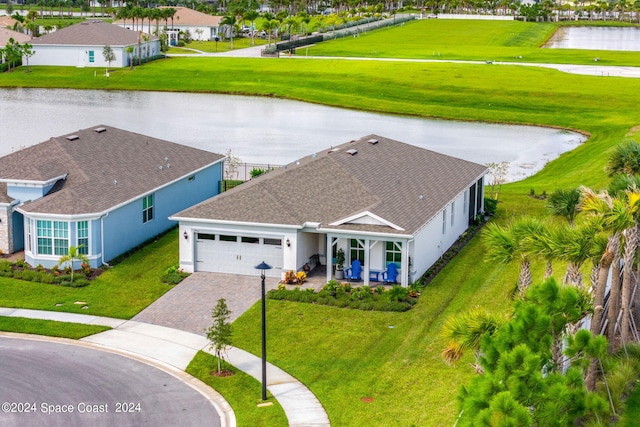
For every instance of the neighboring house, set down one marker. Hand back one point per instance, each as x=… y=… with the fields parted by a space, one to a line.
x=104 y=188
x=200 y=26
x=379 y=200
x=82 y=45
x=6 y=34
x=7 y=22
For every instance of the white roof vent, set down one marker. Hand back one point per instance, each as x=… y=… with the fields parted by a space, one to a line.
x=100 y=130
x=352 y=151
x=333 y=150
x=373 y=141
x=72 y=137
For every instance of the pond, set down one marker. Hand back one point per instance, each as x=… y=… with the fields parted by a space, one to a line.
x=596 y=38
x=264 y=130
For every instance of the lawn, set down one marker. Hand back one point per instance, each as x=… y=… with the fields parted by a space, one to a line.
x=343 y=355
x=49 y=328
x=446 y=39
x=120 y=292
x=241 y=391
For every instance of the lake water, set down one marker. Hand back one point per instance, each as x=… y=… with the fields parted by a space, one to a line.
x=596 y=38
x=264 y=130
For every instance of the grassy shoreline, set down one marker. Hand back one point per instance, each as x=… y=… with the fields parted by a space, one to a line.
x=342 y=355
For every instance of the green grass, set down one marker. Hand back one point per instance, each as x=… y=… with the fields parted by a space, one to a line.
x=440 y=39
x=225 y=46
x=49 y=327
x=344 y=355
x=242 y=392
x=120 y=292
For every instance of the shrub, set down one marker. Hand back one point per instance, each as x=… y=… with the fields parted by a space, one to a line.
x=6 y=266
x=346 y=287
x=380 y=290
x=490 y=206
x=40 y=268
x=398 y=293
x=301 y=276
x=332 y=287
x=77 y=283
x=174 y=278
x=29 y=275
x=361 y=293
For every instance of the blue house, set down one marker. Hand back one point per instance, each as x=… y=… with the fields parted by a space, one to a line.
x=102 y=189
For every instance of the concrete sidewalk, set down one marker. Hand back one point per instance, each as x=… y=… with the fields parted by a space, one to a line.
x=177 y=348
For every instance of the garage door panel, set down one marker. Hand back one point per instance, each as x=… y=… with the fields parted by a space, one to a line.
x=237 y=257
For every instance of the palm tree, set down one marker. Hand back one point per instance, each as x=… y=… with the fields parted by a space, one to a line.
x=269 y=27
x=229 y=21
x=73 y=255
x=251 y=16
x=514 y=242
x=465 y=331
x=625 y=159
x=564 y=203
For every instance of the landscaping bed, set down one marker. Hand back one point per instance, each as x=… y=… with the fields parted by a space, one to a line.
x=22 y=271
x=343 y=295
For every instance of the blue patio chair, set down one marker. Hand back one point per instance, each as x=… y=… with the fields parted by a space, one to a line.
x=353 y=272
x=391 y=274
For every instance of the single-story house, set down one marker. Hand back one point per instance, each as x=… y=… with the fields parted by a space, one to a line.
x=6 y=34
x=82 y=45
x=381 y=201
x=7 y=22
x=201 y=26
x=102 y=189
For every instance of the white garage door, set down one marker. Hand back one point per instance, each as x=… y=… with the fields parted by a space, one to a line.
x=236 y=254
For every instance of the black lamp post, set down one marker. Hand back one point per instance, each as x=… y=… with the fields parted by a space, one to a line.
x=264 y=266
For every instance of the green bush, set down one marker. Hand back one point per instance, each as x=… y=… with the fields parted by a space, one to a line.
x=174 y=278
x=490 y=206
x=29 y=275
x=6 y=266
x=77 y=283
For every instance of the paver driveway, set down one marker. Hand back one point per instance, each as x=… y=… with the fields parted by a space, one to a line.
x=188 y=305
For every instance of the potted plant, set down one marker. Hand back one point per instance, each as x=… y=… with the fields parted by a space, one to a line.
x=340 y=264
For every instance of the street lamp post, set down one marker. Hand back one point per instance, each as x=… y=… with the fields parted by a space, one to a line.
x=263 y=266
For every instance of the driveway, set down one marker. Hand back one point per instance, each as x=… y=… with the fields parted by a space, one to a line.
x=188 y=305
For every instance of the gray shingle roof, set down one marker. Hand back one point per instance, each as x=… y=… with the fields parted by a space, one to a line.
x=386 y=179
x=90 y=33
x=103 y=169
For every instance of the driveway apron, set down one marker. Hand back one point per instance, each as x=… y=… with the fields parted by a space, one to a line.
x=188 y=305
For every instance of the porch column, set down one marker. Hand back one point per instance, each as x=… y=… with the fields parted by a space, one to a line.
x=404 y=264
x=367 y=262
x=329 y=256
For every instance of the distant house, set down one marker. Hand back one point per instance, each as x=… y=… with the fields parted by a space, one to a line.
x=6 y=34
x=82 y=44
x=7 y=22
x=381 y=201
x=103 y=188
x=200 y=26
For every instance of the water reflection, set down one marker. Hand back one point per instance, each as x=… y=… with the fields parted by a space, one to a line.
x=264 y=130
x=596 y=38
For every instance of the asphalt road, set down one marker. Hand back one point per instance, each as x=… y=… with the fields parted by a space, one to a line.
x=54 y=384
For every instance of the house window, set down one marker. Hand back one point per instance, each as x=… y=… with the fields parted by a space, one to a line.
x=393 y=253
x=453 y=210
x=44 y=234
x=29 y=236
x=206 y=236
x=147 y=208
x=245 y=239
x=53 y=237
x=444 y=221
x=83 y=237
x=356 y=250
x=273 y=242
x=60 y=238
x=91 y=56
x=225 y=238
